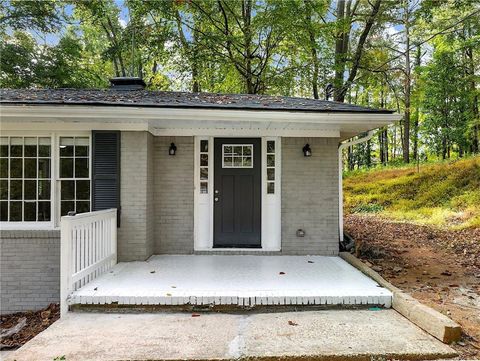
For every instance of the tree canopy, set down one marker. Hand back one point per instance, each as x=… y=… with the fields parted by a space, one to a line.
x=418 y=57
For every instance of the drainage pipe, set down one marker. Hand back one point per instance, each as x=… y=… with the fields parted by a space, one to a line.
x=341 y=147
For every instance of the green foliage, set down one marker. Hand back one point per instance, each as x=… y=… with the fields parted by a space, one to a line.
x=443 y=193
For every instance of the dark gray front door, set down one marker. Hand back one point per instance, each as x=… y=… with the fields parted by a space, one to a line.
x=237 y=192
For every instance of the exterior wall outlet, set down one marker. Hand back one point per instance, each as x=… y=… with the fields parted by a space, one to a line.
x=300 y=233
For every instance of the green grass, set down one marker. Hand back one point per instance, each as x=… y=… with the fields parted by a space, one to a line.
x=445 y=194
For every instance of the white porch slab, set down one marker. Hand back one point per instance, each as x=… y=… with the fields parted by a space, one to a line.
x=234 y=280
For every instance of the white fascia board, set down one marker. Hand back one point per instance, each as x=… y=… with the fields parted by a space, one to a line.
x=167 y=120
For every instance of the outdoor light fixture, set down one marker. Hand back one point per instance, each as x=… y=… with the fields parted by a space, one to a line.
x=307 y=152
x=173 y=149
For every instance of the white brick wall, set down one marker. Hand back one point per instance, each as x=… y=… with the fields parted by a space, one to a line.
x=310 y=196
x=173 y=195
x=135 y=236
x=29 y=270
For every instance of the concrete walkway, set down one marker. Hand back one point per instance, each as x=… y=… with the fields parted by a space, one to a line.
x=316 y=335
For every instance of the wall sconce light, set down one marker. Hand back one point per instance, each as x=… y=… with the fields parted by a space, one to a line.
x=307 y=151
x=173 y=149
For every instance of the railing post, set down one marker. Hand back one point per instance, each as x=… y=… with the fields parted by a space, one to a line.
x=113 y=225
x=65 y=263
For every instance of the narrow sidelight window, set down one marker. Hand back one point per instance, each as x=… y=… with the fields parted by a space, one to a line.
x=204 y=166
x=271 y=167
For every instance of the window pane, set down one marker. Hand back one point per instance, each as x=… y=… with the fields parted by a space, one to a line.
x=3 y=167
x=83 y=207
x=16 y=211
x=29 y=211
x=204 y=173
x=237 y=161
x=83 y=189
x=81 y=168
x=66 y=147
x=16 y=147
x=67 y=206
x=271 y=174
x=81 y=147
x=204 y=146
x=43 y=211
x=227 y=161
x=227 y=149
x=43 y=189
x=3 y=211
x=66 y=168
x=68 y=190
x=44 y=147
x=247 y=161
x=270 y=188
x=237 y=150
x=16 y=166
x=270 y=146
x=270 y=160
x=4 y=189
x=247 y=150
x=30 y=168
x=43 y=168
x=16 y=189
x=30 y=147
x=30 y=189
x=204 y=160
x=203 y=187
x=3 y=147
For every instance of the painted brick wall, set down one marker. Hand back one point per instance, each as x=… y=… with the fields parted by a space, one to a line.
x=310 y=196
x=173 y=195
x=29 y=270
x=136 y=236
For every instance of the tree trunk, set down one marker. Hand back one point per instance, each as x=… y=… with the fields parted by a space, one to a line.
x=408 y=84
x=417 y=110
x=313 y=48
x=339 y=48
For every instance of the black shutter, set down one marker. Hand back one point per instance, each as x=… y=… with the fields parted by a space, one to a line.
x=106 y=170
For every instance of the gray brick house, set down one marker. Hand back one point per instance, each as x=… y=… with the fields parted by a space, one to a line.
x=188 y=173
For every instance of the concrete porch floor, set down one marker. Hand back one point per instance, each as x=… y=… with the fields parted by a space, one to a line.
x=312 y=335
x=242 y=280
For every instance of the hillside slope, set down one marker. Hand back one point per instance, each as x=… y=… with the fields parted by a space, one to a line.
x=444 y=194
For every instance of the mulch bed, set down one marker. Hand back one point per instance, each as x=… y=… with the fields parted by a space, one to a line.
x=36 y=322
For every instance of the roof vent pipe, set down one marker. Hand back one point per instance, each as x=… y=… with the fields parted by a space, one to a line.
x=127 y=83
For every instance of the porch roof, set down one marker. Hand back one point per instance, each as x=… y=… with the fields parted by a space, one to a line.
x=164 y=99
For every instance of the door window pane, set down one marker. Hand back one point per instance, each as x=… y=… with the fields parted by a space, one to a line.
x=237 y=156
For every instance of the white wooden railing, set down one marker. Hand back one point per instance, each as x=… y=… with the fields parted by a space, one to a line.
x=88 y=249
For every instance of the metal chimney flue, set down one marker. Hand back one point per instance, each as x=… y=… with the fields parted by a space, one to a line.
x=127 y=83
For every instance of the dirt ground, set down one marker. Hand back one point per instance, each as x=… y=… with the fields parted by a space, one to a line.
x=36 y=322
x=438 y=267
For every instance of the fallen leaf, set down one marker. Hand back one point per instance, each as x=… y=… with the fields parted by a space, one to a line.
x=195 y=315
x=173 y=286
x=95 y=289
x=291 y=323
x=152 y=271
x=169 y=294
x=281 y=273
x=310 y=262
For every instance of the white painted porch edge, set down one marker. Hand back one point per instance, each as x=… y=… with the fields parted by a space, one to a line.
x=233 y=280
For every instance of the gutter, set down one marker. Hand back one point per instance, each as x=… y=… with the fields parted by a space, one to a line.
x=341 y=147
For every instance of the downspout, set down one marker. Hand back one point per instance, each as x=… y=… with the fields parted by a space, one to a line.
x=341 y=147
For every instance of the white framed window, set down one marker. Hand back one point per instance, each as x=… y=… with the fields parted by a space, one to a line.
x=42 y=177
x=271 y=176
x=203 y=161
x=74 y=174
x=237 y=155
x=25 y=179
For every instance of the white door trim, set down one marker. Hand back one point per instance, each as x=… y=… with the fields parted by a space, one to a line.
x=203 y=203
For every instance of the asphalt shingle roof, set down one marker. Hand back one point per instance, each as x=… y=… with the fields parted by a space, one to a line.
x=162 y=99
